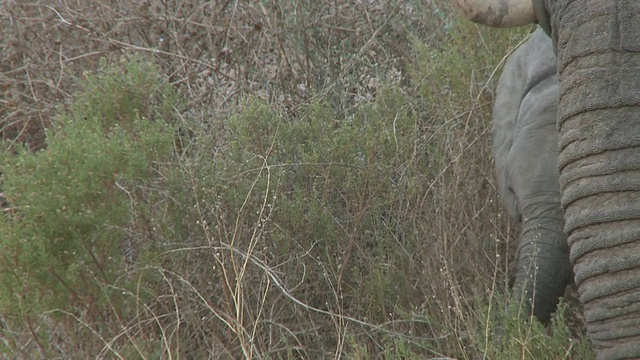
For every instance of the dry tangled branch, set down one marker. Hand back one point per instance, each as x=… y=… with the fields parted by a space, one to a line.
x=216 y=51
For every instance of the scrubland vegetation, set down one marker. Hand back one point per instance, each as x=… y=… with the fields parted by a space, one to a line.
x=256 y=179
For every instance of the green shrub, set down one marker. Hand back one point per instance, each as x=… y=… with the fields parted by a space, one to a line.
x=321 y=198
x=70 y=227
x=504 y=334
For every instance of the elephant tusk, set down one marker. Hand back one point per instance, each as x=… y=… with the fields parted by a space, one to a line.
x=497 y=13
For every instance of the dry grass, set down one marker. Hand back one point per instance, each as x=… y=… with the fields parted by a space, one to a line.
x=393 y=266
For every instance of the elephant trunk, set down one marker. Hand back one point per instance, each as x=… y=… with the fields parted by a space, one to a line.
x=599 y=122
x=543 y=269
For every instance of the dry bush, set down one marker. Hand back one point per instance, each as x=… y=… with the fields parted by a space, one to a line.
x=293 y=223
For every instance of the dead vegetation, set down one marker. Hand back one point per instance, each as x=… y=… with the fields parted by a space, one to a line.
x=216 y=51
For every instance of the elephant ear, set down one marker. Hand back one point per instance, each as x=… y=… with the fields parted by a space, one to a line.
x=530 y=64
x=505 y=112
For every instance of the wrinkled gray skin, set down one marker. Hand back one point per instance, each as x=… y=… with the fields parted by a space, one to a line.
x=597 y=43
x=526 y=155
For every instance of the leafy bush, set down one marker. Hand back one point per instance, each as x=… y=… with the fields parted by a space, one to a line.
x=504 y=334
x=70 y=227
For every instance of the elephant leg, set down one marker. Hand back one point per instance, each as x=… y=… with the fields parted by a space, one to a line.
x=544 y=269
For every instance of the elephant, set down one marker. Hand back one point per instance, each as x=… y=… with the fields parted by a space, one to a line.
x=525 y=148
x=597 y=44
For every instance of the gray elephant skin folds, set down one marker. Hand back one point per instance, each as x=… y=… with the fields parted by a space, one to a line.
x=597 y=44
